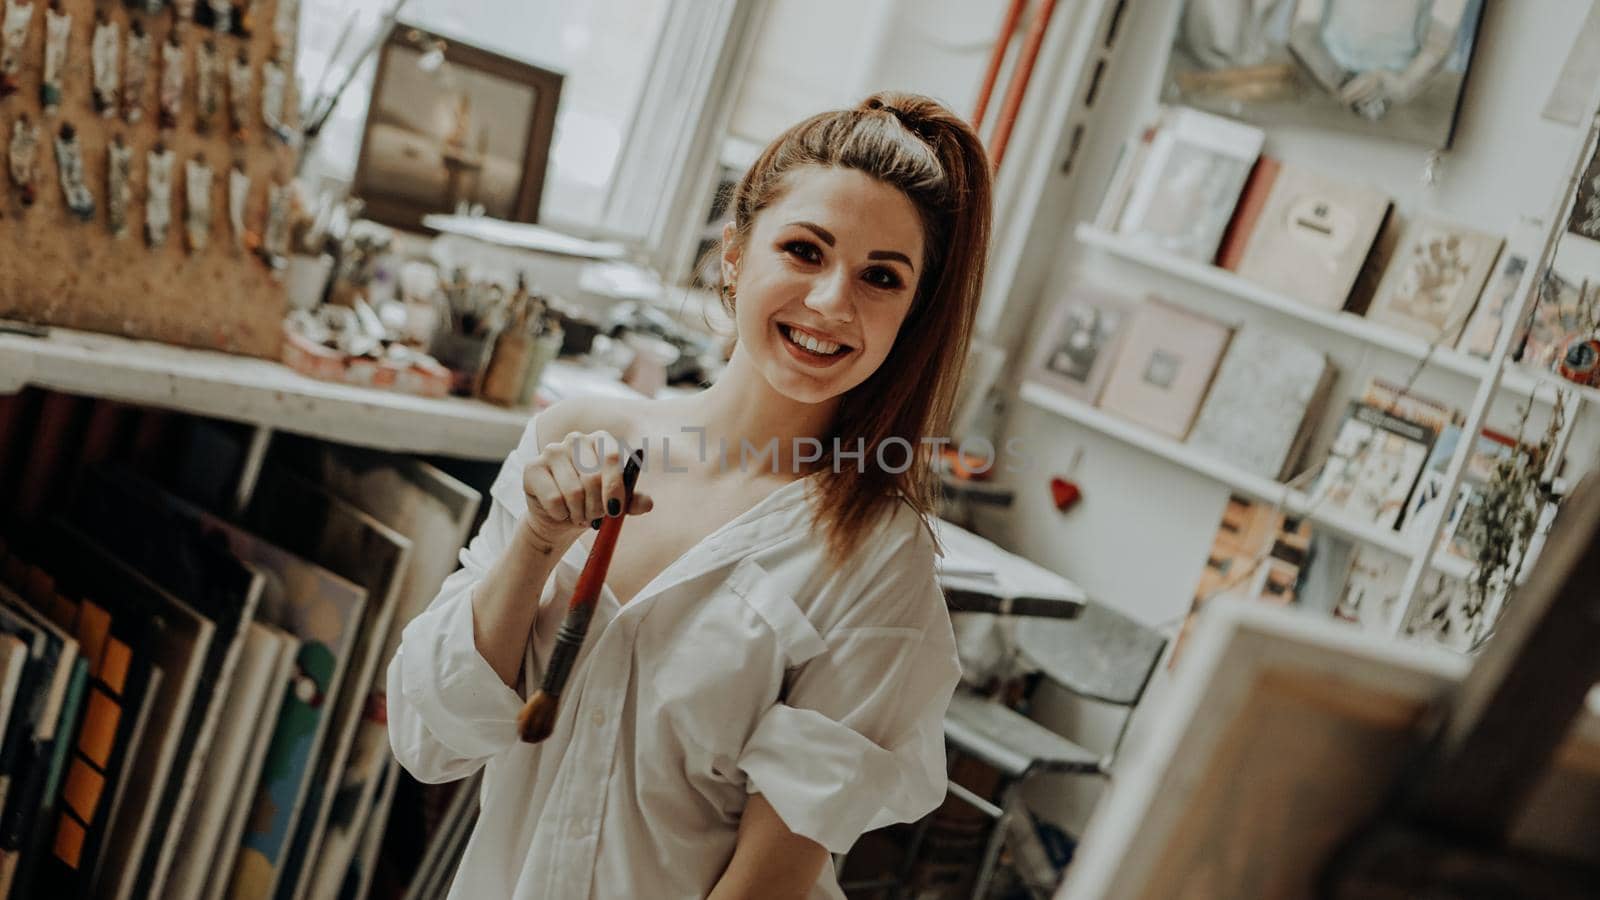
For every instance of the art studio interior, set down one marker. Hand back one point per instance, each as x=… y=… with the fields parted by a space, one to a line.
x=763 y=449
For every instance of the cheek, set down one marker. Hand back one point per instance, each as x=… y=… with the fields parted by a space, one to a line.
x=882 y=328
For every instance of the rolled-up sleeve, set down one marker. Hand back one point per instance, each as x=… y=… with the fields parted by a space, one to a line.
x=448 y=711
x=858 y=743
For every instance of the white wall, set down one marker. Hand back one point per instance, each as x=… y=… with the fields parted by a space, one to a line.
x=1140 y=536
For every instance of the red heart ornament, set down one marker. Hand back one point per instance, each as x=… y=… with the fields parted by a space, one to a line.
x=1065 y=493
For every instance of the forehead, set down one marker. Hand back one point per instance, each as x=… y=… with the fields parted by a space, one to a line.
x=854 y=206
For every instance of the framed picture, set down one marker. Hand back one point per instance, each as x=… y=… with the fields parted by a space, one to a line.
x=1386 y=68
x=1078 y=346
x=1190 y=184
x=1165 y=367
x=450 y=124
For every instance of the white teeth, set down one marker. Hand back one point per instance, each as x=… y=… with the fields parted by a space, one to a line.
x=824 y=348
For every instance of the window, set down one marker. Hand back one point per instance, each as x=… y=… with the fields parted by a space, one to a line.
x=604 y=47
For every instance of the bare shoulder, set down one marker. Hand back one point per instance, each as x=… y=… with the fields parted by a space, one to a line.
x=622 y=418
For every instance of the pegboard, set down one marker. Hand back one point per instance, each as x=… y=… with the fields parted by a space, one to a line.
x=56 y=268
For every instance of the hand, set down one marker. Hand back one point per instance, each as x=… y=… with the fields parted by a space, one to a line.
x=572 y=484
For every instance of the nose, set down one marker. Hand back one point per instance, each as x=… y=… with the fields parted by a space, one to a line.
x=830 y=297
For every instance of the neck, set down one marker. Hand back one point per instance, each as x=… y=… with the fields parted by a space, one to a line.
x=743 y=408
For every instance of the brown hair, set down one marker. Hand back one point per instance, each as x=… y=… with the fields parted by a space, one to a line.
x=937 y=160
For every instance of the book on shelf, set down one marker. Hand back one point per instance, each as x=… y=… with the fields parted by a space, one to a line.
x=1429 y=287
x=1499 y=294
x=1372 y=586
x=1252 y=202
x=1164 y=367
x=1186 y=191
x=1077 y=347
x=1398 y=400
x=1258 y=553
x=1566 y=307
x=1426 y=502
x=1373 y=465
x=1313 y=238
x=1262 y=410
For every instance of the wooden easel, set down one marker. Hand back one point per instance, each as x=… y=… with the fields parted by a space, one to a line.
x=1444 y=831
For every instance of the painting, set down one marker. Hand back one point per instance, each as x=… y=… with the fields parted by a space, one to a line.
x=1385 y=68
x=451 y=126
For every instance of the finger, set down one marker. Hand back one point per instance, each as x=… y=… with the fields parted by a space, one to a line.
x=612 y=492
x=570 y=483
x=642 y=503
x=541 y=488
x=590 y=461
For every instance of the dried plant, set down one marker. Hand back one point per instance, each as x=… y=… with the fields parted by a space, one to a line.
x=1504 y=518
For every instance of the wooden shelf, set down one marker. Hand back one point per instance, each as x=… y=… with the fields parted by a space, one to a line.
x=1247 y=483
x=265 y=393
x=1517 y=379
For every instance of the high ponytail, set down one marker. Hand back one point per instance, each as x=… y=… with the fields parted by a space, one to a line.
x=917 y=145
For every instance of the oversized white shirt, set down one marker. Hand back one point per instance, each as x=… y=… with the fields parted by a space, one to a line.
x=744 y=667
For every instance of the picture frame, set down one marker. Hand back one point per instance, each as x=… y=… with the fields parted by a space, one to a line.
x=1392 y=69
x=1077 y=348
x=428 y=146
x=1164 y=367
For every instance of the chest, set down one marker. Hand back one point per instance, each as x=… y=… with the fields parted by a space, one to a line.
x=687 y=511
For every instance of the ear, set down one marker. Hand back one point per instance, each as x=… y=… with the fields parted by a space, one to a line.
x=730 y=252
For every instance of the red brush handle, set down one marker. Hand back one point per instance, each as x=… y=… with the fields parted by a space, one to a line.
x=593 y=577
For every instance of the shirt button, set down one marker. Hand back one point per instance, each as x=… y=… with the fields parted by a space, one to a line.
x=598 y=718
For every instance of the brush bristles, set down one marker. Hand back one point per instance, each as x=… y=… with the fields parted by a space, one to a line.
x=538 y=718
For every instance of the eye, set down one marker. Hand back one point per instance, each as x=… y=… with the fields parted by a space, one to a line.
x=884 y=278
x=804 y=250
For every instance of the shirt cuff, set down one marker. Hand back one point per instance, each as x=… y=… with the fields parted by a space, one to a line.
x=455 y=692
x=825 y=780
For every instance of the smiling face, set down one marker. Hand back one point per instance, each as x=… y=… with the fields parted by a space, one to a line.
x=824 y=280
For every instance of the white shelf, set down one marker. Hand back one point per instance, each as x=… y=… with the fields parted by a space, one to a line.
x=1248 y=483
x=1296 y=502
x=1517 y=379
x=261 y=392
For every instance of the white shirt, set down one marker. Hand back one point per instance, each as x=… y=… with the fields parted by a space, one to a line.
x=744 y=667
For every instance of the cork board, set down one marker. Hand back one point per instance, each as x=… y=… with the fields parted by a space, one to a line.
x=57 y=269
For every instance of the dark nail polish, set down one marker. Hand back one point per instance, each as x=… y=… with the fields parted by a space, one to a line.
x=595 y=524
x=613 y=506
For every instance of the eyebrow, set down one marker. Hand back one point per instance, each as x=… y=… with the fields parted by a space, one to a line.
x=827 y=238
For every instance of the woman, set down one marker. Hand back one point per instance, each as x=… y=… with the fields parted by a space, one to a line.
x=768 y=667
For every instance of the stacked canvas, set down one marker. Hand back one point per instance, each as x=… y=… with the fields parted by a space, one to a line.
x=190 y=705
